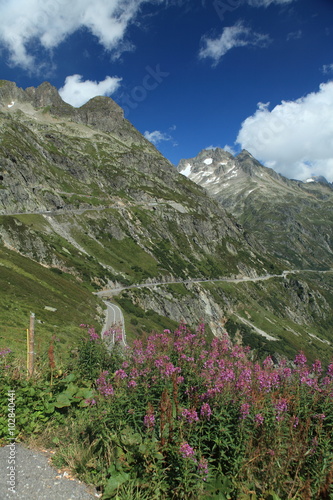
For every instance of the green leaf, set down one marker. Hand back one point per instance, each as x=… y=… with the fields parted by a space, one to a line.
x=84 y=393
x=62 y=401
x=116 y=480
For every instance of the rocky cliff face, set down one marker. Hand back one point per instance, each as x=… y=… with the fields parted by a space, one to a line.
x=84 y=194
x=290 y=218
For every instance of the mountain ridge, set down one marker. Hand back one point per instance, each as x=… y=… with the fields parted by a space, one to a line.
x=87 y=198
x=289 y=217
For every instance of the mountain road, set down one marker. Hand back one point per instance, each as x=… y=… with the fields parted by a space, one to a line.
x=115 y=315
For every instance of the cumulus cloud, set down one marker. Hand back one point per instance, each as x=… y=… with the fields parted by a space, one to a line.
x=156 y=137
x=77 y=92
x=30 y=25
x=238 y=35
x=296 y=137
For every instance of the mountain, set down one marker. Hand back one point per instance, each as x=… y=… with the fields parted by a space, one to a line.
x=290 y=218
x=87 y=203
x=317 y=178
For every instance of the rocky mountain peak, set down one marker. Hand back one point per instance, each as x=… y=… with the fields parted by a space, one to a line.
x=101 y=113
x=317 y=178
x=44 y=95
x=10 y=93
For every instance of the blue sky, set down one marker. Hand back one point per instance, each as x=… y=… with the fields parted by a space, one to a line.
x=190 y=74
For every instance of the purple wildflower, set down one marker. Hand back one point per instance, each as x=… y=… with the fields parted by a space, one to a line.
x=268 y=362
x=90 y=402
x=149 y=420
x=190 y=415
x=92 y=334
x=205 y=411
x=259 y=419
x=120 y=374
x=245 y=410
x=300 y=359
x=203 y=468
x=295 y=421
x=5 y=351
x=280 y=407
x=187 y=451
x=330 y=370
x=103 y=387
x=316 y=367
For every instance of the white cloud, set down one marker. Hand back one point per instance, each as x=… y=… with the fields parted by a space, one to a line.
x=294 y=35
x=232 y=36
x=296 y=137
x=46 y=23
x=230 y=149
x=327 y=68
x=156 y=137
x=77 y=92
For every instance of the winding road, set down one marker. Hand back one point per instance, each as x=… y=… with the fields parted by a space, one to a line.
x=114 y=324
x=115 y=315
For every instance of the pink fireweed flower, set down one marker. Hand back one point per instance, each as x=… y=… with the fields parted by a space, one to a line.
x=132 y=383
x=245 y=410
x=169 y=369
x=187 y=451
x=5 y=351
x=106 y=390
x=103 y=387
x=259 y=419
x=316 y=367
x=203 y=468
x=295 y=421
x=280 y=407
x=102 y=378
x=92 y=334
x=205 y=411
x=268 y=362
x=134 y=373
x=320 y=416
x=161 y=361
x=300 y=359
x=201 y=329
x=120 y=374
x=190 y=416
x=149 y=420
x=90 y=402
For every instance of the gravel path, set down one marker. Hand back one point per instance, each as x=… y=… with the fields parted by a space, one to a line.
x=36 y=479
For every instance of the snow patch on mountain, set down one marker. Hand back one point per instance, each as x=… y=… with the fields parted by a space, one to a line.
x=208 y=161
x=187 y=170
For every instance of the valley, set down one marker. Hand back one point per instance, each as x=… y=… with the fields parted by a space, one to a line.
x=89 y=209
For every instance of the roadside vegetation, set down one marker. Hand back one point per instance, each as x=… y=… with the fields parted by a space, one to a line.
x=179 y=416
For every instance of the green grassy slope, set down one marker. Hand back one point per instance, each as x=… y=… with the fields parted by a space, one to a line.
x=26 y=287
